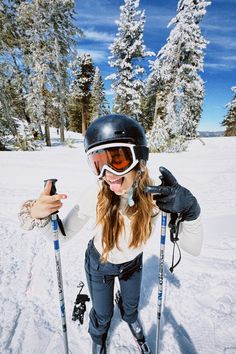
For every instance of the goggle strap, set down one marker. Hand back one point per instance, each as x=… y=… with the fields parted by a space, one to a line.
x=141 y=152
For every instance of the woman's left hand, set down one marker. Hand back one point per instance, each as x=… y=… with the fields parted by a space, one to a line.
x=171 y=197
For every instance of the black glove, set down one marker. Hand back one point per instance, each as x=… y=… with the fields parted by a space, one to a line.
x=173 y=198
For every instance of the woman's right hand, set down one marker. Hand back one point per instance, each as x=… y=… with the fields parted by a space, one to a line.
x=46 y=204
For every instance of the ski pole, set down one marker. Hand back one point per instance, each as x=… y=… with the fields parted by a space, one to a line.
x=54 y=224
x=161 y=277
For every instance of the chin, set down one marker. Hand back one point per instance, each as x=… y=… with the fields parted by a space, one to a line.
x=122 y=192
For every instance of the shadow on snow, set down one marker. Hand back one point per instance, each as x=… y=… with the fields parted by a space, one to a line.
x=149 y=283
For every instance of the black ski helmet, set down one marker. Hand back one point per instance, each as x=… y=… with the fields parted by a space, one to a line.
x=115 y=128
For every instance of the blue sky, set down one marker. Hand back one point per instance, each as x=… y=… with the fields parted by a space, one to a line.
x=97 y=19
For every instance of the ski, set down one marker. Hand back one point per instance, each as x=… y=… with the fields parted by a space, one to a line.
x=141 y=342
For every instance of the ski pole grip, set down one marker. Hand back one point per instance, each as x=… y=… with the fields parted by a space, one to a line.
x=53 y=188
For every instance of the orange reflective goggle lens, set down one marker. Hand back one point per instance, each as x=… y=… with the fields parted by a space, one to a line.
x=117 y=159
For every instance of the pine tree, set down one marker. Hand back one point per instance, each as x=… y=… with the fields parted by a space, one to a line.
x=12 y=101
x=83 y=71
x=36 y=41
x=61 y=18
x=230 y=120
x=148 y=102
x=99 y=104
x=128 y=50
x=177 y=70
x=75 y=114
x=36 y=48
x=47 y=32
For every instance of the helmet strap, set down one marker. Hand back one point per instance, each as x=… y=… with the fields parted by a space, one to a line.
x=141 y=152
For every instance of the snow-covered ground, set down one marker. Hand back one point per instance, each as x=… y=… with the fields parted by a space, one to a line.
x=200 y=297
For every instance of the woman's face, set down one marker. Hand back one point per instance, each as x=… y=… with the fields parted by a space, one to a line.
x=120 y=184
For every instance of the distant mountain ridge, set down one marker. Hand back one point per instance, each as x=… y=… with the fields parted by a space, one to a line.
x=205 y=134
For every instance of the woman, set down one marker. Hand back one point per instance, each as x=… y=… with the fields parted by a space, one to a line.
x=117 y=151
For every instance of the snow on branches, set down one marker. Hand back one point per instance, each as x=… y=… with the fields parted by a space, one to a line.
x=178 y=83
x=128 y=50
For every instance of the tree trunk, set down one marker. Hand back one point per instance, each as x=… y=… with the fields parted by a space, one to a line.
x=155 y=111
x=84 y=118
x=2 y=147
x=47 y=134
x=60 y=92
x=9 y=113
x=39 y=128
x=62 y=131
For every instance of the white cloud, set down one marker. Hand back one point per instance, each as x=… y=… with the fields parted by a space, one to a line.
x=216 y=28
x=98 y=56
x=109 y=92
x=98 y=36
x=215 y=65
x=220 y=66
x=229 y=57
x=226 y=42
x=96 y=19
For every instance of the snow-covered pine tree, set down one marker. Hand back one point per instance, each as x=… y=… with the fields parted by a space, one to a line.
x=148 y=102
x=177 y=68
x=8 y=42
x=34 y=28
x=74 y=114
x=99 y=104
x=190 y=87
x=48 y=36
x=83 y=73
x=230 y=120
x=8 y=119
x=12 y=102
x=159 y=134
x=61 y=19
x=128 y=50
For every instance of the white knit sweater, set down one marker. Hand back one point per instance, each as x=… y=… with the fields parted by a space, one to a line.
x=190 y=232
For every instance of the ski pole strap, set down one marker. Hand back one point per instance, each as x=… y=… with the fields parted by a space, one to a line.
x=174 y=232
x=61 y=226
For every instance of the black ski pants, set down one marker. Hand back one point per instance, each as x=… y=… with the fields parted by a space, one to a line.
x=101 y=278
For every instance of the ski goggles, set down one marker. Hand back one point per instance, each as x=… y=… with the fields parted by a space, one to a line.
x=117 y=158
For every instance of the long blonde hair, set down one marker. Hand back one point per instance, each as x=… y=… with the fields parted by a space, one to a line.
x=112 y=221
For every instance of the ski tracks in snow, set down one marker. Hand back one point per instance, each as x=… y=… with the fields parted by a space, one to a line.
x=199 y=315
x=203 y=299
x=199 y=299
x=199 y=292
x=29 y=296
x=22 y=315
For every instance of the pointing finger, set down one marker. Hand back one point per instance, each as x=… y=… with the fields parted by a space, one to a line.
x=152 y=189
x=159 y=190
x=56 y=197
